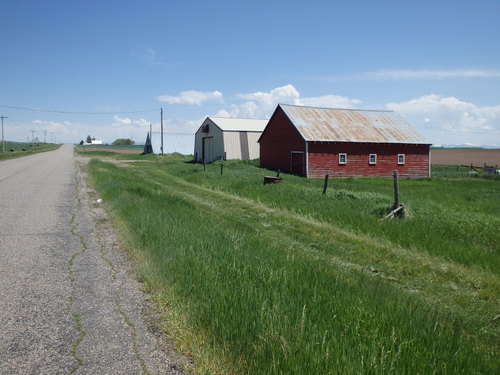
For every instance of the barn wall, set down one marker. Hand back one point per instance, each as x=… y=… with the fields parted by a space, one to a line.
x=217 y=143
x=324 y=158
x=277 y=142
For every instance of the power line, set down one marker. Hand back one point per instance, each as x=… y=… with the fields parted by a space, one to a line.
x=75 y=112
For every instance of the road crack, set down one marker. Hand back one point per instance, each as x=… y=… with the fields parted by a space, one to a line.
x=71 y=271
x=99 y=233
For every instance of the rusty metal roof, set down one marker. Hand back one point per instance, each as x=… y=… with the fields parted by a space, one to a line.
x=352 y=125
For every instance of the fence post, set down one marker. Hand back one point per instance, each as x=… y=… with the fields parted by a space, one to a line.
x=396 y=189
x=221 y=168
x=325 y=185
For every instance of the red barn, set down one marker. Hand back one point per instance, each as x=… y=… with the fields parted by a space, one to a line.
x=312 y=142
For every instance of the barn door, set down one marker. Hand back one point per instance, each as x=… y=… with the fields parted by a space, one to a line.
x=207 y=149
x=297 y=158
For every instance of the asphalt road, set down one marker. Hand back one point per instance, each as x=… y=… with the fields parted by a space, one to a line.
x=69 y=299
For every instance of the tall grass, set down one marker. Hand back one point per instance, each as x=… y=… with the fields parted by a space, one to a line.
x=260 y=280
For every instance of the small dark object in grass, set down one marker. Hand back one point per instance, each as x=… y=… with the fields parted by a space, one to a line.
x=272 y=180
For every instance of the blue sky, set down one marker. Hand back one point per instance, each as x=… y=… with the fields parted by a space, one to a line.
x=435 y=62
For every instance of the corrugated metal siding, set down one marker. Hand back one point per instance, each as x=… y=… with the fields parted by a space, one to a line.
x=181 y=143
x=241 y=145
x=253 y=144
x=349 y=125
x=232 y=145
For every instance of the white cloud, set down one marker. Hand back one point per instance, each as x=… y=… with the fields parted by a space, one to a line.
x=448 y=120
x=406 y=74
x=222 y=113
x=120 y=121
x=262 y=104
x=330 y=101
x=192 y=97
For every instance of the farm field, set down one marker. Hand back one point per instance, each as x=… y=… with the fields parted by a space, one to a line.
x=466 y=156
x=132 y=149
x=18 y=149
x=279 y=279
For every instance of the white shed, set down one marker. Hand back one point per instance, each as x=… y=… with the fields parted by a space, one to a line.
x=228 y=138
x=181 y=143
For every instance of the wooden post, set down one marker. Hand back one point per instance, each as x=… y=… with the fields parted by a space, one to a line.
x=221 y=168
x=204 y=167
x=161 y=115
x=325 y=185
x=277 y=175
x=396 y=189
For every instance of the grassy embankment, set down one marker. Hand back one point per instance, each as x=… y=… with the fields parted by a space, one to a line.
x=18 y=149
x=279 y=279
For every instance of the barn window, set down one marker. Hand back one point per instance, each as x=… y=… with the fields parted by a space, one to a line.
x=342 y=158
x=373 y=159
x=401 y=158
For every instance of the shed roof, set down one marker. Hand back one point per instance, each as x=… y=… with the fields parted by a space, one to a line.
x=352 y=125
x=239 y=124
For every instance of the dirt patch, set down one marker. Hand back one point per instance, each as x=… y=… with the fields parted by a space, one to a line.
x=117 y=150
x=466 y=156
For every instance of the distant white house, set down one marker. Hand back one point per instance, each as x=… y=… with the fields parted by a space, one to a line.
x=228 y=138
x=181 y=143
x=93 y=142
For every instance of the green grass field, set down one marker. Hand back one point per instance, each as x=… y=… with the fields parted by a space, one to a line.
x=18 y=149
x=279 y=279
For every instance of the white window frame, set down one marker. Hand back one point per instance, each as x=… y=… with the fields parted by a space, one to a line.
x=343 y=154
x=370 y=159
x=401 y=162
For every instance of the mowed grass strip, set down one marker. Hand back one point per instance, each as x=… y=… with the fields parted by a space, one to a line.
x=454 y=218
x=264 y=289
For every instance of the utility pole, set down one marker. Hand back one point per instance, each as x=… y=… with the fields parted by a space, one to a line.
x=3 y=140
x=161 y=114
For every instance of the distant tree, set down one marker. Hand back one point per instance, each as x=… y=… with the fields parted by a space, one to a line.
x=81 y=142
x=89 y=139
x=123 y=142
